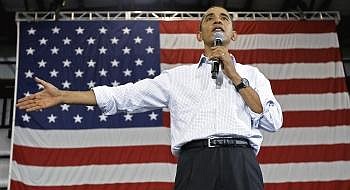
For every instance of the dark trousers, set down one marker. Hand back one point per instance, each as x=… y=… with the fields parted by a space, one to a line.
x=223 y=168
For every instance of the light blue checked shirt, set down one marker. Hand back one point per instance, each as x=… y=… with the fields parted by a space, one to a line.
x=198 y=109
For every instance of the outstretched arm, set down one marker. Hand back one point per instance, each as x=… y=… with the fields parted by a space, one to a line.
x=51 y=96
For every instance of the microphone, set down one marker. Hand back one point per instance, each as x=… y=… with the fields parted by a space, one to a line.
x=218 y=39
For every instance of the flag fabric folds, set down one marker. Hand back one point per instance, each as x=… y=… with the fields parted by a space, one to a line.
x=78 y=147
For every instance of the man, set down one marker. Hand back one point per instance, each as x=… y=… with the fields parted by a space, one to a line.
x=214 y=124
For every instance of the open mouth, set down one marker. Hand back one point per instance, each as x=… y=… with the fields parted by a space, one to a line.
x=218 y=29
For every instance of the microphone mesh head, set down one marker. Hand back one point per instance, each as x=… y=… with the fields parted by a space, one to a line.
x=219 y=35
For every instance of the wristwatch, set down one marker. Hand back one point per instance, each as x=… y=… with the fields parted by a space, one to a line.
x=244 y=84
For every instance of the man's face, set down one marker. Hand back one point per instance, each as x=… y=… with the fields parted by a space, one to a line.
x=216 y=19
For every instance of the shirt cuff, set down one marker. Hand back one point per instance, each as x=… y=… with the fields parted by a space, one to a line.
x=255 y=117
x=102 y=99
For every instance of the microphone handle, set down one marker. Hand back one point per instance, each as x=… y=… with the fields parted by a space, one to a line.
x=216 y=62
x=217 y=42
x=215 y=68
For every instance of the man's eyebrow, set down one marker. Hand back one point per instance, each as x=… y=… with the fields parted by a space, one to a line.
x=212 y=14
x=209 y=14
x=224 y=14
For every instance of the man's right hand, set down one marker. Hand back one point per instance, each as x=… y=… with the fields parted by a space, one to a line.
x=48 y=97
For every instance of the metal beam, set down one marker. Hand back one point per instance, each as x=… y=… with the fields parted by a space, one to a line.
x=173 y=15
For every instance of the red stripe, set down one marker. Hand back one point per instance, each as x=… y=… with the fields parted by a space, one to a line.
x=278 y=27
x=174 y=56
x=98 y=155
x=316 y=185
x=87 y=156
x=253 y=27
x=308 y=86
x=288 y=55
x=116 y=186
x=179 y=26
x=304 y=153
x=166 y=119
x=316 y=118
x=305 y=118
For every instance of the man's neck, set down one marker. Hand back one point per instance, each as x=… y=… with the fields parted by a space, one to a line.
x=208 y=50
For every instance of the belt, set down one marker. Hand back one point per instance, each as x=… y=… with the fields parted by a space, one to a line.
x=212 y=142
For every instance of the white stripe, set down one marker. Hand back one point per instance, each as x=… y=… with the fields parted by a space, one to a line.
x=308 y=136
x=93 y=174
x=256 y=41
x=314 y=102
x=161 y=172
x=92 y=137
x=291 y=70
x=302 y=70
x=112 y=137
x=302 y=172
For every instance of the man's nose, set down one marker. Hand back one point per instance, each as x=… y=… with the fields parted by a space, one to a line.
x=217 y=20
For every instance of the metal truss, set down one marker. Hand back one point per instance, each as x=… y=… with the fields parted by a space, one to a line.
x=172 y=15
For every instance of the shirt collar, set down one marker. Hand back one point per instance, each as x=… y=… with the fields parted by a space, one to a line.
x=204 y=59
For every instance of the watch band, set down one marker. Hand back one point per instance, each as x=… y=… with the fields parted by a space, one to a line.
x=243 y=84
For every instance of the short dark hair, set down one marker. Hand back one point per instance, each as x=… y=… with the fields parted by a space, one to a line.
x=202 y=19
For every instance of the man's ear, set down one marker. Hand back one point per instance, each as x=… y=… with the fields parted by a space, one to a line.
x=199 y=36
x=234 y=35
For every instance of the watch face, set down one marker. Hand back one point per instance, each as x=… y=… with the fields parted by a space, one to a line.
x=245 y=82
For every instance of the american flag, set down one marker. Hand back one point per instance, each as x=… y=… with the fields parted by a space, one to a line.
x=77 y=147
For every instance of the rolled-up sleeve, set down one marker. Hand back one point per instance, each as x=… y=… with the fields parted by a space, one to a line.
x=271 y=118
x=104 y=99
x=141 y=96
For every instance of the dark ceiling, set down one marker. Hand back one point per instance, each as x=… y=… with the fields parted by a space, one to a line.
x=9 y=7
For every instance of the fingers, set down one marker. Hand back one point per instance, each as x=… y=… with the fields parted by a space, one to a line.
x=219 y=52
x=35 y=108
x=36 y=95
x=23 y=103
x=27 y=105
x=33 y=102
x=42 y=82
x=28 y=100
x=31 y=97
x=30 y=105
